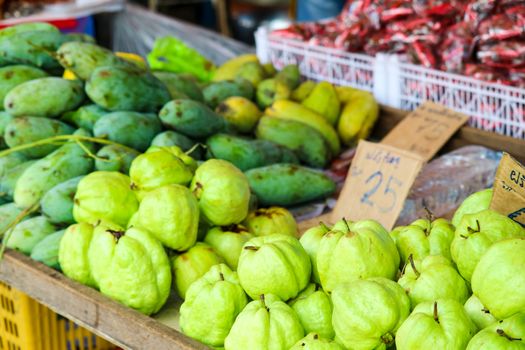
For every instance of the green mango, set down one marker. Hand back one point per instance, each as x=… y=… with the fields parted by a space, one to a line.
x=85 y=117
x=5 y=119
x=171 y=214
x=57 y=203
x=314 y=308
x=368 y=312
x=131 y=267
x=132 y=129
x=275 y=264
x=267 y=221
x=73 y=253
x=28 y=233
x=124 y=89
x=244 y=153
x=283 y=184
x=79 y=37
x=310 y=146
x=67 y=162
x=440 y=324
x=33 y=48
x=191 y=265
x=474 y=203
x=8 y=213
x=23 y=130
x=105 y=195
x=289 y=75
x=240 y=114
x=115 y=158
x=173 y=138
x=222 y=191
x=8 y=181
x=303 y=90
x=82 y=58
x=219 y=91
x=265 y=323
x=314 y=342
x=27 y=27
x=191 y=118
x=44 y=97
x=228 y=241
x=433 y=278
x=10 y=161
x=478 y=313
x=178 y=84
x=310 y=240
x=253 y=72
x=373 y=254
x=12 y=76
x=323 y=100
x=212 y=303
x=269 y=69
x=46 y=251
x=508 y=334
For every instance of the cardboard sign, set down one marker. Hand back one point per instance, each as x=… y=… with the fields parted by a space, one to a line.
x=509 y=189
x=378 y=183
x=425 y=130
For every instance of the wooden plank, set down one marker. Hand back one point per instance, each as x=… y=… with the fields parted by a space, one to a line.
x=87 y=307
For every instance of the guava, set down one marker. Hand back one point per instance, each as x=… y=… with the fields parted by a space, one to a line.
x=424 y=237
x=104 y=195
x=476 y=233
x=440 y=324
x=192 y=265
x=223 y=192
x=478 y=313
x=365 y=250
x=275 y=264
x=310 y=241
x=73 y=253
x=315 y=342
x=433 y=278
x=476 y=202
x=178 y=152
x=499 y=278
x=508 y=334
x=228 y=242
x=314 y=308
x=171 y=214
x=211 y=306
x=157 y=168
x=265 y=323
x=267 y=221
x=131 y=267
x=368 y=312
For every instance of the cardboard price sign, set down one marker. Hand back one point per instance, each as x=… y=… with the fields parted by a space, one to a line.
x=378 y=182
x=425 y=130
x=509 y=189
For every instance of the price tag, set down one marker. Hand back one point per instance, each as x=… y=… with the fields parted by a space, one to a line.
x=378 y=183
x=509 y=189
x=425 y=130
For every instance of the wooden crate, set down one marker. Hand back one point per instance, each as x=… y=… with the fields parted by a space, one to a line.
x=131 y=330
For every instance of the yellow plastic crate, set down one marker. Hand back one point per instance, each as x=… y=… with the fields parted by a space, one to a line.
x=27 y=325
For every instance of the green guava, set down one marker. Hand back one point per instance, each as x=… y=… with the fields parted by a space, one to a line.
x=211 y=306
x=508 y=334
x=476 y=233
x=73 y=253
x=131 y=267
x=366 y=250
x=178 y=152
x=310 y=241
x=368 y=313
x=499 y=278
x=315 y=342
x=478 y=313
x=192 y=265
x=440 y=324
x=474 y=203
x=228 y=242
x=223 y=192
x=433 y=278
x=171 y=214
x=265 y=323
x=267 y=221
x=276 y=264
x=314 y=308
x=104 y=195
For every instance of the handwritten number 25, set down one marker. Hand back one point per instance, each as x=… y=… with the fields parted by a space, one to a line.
x=389 y=194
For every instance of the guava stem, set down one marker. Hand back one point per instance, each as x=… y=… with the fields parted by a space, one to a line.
x=117 y=234
x=503 y=334
x=316 y=336
x=133 y=186
x=250 y=247
x=263 y=302
x=485 y=310
x=195 y=146
x=324 y=227
x=387 y=339
x=436 y=318
x=411 y=259
x=430 y=215
x=474 y=230
x=346 y=223
x=221 y=276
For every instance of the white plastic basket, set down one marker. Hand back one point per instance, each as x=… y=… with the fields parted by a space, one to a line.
x=492 y=107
